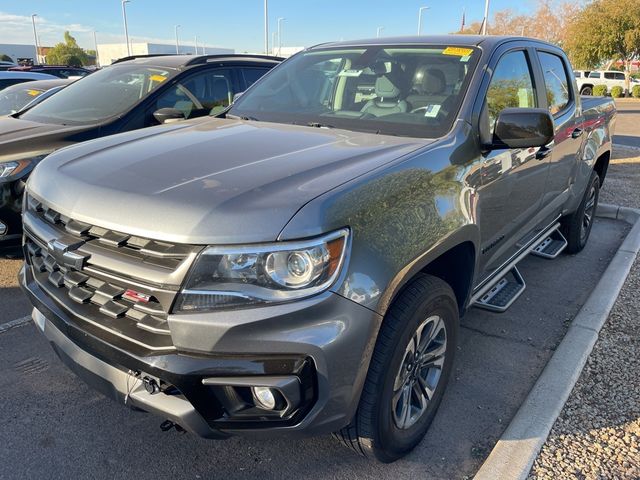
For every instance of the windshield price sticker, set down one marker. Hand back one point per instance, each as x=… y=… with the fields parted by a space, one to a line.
x=157 y=78
x=458 y=51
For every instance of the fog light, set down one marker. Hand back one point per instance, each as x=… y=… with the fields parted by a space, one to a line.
x=264 y=397
x=3 y=228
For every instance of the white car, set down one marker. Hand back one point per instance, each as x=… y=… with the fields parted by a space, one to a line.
x=610 y=78
x=11 y=78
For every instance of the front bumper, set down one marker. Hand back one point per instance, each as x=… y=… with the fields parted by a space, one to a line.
x=327 y=340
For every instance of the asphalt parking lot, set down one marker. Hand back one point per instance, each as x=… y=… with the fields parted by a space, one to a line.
x=627 y=123
x=53 y=426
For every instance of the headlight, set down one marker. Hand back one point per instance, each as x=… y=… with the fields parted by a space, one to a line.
x=13 y=167
x=231 y=277
x=7 y=167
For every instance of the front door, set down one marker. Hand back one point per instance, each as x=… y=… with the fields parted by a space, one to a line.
x=513 y=180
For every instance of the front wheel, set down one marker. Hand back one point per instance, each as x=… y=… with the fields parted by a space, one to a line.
x=586 y=91
x=409 y=370
x=577 y=226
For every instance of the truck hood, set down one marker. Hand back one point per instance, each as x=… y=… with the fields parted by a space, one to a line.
x=209 y=182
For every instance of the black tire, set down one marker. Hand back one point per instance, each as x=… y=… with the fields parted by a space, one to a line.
x=374 y=431
x=577 y=226
x=586 y=91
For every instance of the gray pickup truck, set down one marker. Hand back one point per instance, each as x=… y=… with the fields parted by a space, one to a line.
x=299 y=265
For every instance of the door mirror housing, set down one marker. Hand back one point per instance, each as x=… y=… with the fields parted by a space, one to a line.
x=522 y=128
x=168 y=115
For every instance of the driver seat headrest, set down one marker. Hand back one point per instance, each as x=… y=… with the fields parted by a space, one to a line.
x=386 y=89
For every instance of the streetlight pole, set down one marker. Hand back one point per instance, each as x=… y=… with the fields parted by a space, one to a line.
x=486 y=17
x=378 y=30
x=35 y=37
x=280 y=20
x=274 y=36
x=266 y=28
x=177 y=42
x=126 y=29
x=195 y=43
x=420 y=10
x=95 y=42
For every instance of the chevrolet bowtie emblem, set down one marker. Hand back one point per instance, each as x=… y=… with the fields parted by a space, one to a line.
x=62 y=251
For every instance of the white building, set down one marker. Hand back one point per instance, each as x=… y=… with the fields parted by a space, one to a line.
x=16 y=51
x=110 y=52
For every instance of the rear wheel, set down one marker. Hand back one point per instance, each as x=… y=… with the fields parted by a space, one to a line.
x=408 y=373
x=586 y=91
x=577 y=226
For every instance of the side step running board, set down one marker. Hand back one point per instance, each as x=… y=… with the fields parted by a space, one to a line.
x=502 y=295
x=498 y=292
x=551 y=246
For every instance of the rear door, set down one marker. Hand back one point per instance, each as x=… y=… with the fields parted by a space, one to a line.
x=564 y=105
x=513 y=180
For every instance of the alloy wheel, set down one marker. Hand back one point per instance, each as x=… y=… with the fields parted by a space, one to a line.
x=417 y=379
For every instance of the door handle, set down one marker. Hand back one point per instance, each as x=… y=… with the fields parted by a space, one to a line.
x=577 y=133
x=543 y=153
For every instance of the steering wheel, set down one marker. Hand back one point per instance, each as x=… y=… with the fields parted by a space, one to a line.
x=419 y=109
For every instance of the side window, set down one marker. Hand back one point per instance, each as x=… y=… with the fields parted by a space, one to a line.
x=511 y=86
x=205 y=92
x=251 y=75
x=609 y=75
x=594 y=75
x=555 y=80
x=619 y=76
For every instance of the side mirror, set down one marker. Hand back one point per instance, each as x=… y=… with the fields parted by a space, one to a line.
x=236 y=97
x=522 y=128
x=168 y=115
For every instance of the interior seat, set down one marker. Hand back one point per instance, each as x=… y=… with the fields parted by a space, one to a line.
x=429 y=88
x=388 y=99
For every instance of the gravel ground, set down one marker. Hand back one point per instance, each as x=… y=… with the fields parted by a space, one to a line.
x=597 y=435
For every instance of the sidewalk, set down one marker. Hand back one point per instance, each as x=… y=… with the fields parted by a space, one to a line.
x=597 y=435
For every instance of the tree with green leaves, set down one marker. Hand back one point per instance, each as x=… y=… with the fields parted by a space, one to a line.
x=605 y=30
x=67 y=53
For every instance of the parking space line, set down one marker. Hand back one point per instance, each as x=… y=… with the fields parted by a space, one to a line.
x=18 y=322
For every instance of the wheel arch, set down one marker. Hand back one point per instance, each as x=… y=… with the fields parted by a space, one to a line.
x=453 y=260
x=602 y=165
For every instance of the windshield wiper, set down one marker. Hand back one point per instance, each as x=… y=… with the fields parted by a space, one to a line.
x=319 y=125
x=239 y=117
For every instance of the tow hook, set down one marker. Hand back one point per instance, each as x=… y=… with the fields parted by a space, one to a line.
x=168 y=425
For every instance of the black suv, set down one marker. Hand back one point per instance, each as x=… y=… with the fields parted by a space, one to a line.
x=134 y=92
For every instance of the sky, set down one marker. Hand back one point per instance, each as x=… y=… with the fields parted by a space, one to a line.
x=235 y=24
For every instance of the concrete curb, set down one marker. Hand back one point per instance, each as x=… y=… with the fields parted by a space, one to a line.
x=517 y=449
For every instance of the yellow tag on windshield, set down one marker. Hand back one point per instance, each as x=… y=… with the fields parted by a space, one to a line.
x=457 y=51
x=157 y=78
x=34 y=93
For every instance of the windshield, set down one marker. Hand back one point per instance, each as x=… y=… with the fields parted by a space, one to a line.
x=15 y=97
x=407 y=91
x=99 y=96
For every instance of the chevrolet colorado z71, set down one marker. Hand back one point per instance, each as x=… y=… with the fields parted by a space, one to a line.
x=299 y=265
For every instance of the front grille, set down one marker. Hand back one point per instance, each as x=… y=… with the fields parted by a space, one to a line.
x=121 y=283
